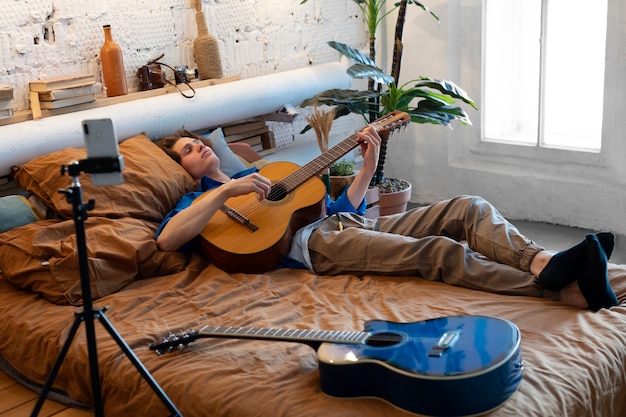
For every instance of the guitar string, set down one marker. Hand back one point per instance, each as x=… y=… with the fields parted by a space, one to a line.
x=251 y=205
x=388 y=122
x=301 y=175
x=336 y=336
x=296 y=178
x=329 y=336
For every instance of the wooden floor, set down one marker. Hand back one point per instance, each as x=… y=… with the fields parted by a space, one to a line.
x=18 y=401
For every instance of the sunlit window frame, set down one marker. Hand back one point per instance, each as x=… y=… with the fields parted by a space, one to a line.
x=540 y=133
x=466 y=147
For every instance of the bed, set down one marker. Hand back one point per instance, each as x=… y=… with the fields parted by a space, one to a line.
x=573 y=360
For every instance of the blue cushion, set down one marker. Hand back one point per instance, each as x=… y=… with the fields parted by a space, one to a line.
x=15 y=211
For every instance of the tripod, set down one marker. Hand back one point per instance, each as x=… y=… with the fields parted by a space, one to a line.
x=89 y=314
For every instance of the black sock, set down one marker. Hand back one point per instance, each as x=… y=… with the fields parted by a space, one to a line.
x=563 y=267
x=594 y=282
x=607 y=241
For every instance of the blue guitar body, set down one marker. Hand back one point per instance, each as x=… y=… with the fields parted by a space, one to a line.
x=476 y=373
x=448 y=366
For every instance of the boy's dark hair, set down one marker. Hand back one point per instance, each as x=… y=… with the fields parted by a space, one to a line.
x=167 y=143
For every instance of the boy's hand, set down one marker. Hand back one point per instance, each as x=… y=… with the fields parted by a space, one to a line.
x=253 y=183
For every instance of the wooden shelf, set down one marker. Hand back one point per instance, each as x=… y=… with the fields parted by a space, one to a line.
x=25 y=115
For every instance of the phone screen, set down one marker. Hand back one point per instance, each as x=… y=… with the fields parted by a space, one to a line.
x=101 y=141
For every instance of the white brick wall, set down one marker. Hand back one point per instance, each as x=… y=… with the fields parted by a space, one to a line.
x=50 y=38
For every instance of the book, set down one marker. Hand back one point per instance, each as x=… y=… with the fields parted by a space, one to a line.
x=242 y=126
x=34 y=105
x=6 y=104
x=263 y=142
x=252 y=141
x=57 y=83
x=65 y=102
x=4 y=113
x=246 y=134
x=64 y=93
x=258 y=147
x=6 y=92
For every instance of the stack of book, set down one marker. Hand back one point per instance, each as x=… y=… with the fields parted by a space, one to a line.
x=252 y=131
x=6 y=97
x=56 y=93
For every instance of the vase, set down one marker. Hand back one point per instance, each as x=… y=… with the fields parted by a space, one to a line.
x=206 y=49
x=112 y=61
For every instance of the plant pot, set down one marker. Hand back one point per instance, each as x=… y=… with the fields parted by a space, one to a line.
x=395 y=201
x=373 y=197
x=339 y=183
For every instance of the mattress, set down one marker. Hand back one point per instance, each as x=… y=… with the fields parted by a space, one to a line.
x=573 y=360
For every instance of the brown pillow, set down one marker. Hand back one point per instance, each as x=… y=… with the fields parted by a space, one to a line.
x=42 y=257
x=153 y=182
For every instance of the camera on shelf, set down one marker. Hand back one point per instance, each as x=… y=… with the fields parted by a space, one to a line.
x=151 y=76
x=183 y=74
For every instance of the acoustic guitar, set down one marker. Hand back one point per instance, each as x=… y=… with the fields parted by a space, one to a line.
x=447 y=366
x=252 y=236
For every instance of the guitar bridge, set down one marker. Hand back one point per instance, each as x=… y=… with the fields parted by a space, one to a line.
x=238 y=217
x=446 y=341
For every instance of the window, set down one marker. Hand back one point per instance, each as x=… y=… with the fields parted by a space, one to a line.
x=548 y=59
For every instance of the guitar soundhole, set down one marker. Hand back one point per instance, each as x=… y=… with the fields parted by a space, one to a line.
x=277 y=193
x=383 y=339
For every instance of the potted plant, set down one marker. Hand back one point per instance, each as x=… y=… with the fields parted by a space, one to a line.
x=341 y=174
x=425 y=99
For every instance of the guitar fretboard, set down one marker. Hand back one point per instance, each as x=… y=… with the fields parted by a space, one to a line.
x=388 y=123
x=314 y=167
x=293 y=335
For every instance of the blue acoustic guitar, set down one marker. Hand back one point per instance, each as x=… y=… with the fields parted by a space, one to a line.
x=448 y=366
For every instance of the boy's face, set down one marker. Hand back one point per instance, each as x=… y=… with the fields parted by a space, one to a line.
x=197 y=158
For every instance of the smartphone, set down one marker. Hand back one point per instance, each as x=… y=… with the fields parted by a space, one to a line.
x=101 y=141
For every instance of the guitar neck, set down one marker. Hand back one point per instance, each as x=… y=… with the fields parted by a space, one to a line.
x=310 y=337
x=387 y=123
x=315 y=166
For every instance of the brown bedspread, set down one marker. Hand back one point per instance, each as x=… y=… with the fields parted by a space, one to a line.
x=574 y=360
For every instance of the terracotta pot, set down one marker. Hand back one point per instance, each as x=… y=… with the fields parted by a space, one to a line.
x=394 y=202
x=338 y=183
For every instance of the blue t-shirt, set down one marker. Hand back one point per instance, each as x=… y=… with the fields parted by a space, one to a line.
x=341 y=204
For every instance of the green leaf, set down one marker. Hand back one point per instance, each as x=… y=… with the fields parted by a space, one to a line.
x=439 y=114
x=345 y=102
x=353 y=54
x=342 y=168
x=428 y=94
x=368 y=71
x=423 y=7
x=447 y=87
x=339 y=96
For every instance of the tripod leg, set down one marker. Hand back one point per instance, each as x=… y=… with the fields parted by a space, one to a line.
x=140 y=367
x=90 y=332
x=57 y=365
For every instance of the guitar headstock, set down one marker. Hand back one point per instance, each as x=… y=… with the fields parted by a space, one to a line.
x=391 y=122
x=172 y=341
